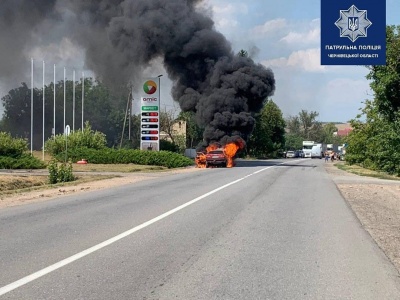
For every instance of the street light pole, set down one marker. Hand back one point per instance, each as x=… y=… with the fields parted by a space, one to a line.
x=159 y=83
x=159 y=104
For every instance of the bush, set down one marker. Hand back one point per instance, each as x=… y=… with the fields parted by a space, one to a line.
x=60 y=173
x=24 y=161
x=168 y=146
x=126 y=156
x=76 y=139
x=53 y=171
x=12 y=147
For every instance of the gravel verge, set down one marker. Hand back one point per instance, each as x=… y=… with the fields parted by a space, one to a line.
x=376 y=203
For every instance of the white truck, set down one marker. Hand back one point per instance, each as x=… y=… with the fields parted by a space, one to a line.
x=307 y=147
x=318 y=150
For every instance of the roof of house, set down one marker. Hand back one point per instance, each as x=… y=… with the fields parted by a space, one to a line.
x=343 y=126
x=344 y=132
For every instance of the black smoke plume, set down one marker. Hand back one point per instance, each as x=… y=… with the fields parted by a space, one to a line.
x=121 y=38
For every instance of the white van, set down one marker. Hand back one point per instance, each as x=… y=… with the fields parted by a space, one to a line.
x=317 y=151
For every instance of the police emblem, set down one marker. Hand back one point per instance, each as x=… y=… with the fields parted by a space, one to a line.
x=353 y=23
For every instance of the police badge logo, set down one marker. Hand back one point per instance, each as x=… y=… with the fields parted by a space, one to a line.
x=353 y=23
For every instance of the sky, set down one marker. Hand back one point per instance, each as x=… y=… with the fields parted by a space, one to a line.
x=286 y=38
x=283 y=36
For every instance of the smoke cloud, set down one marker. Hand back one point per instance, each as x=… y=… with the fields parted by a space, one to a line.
x=120 y=38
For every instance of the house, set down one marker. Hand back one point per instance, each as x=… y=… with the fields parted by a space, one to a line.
x=343 y=129
x=177 y=129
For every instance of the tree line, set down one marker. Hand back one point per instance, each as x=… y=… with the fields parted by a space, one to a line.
x=105 y=112
x=375 y=140
x=102 y=109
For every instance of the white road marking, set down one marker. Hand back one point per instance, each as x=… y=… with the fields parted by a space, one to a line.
x=16 y=284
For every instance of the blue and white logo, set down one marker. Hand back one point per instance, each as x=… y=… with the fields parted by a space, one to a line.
x=353 y=23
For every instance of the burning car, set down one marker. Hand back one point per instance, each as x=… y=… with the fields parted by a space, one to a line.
x=219 y=155
x=216 y=157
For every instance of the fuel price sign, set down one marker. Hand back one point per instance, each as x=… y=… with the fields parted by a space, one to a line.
x=150 y=114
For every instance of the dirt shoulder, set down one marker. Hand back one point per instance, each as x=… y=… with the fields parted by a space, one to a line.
x=376 y=203
x=46 y=194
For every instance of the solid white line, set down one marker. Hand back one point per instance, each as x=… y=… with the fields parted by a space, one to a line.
x=16 y=284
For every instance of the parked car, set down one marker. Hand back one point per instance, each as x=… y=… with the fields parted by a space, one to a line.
x=290 y=154
x=301 y=153
x=216 y=157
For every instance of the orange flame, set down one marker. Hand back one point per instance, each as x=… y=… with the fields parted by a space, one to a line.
x=230 y=151
x=200 y=160
x=212 y=147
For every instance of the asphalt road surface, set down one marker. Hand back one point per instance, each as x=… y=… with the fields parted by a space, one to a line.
x=262 y=230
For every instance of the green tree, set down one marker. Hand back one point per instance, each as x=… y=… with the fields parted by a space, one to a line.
x=293 y=141
x=243 y=53
x=308 y=123
x=167 y=121
x=316 y=132
x=374 y=143
x=194 y=134
x=105 y=111
x=303 y=126
x=293 y=125
x=328 y=131
x=386 y=79
x=169 y=125
x=329 y=136
x=135 y=132
x=17 y=111
x=268 y=137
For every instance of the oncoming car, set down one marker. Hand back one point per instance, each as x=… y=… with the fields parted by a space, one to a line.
x=216 y=157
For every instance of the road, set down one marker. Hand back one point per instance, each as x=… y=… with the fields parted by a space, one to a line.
x=262 y=230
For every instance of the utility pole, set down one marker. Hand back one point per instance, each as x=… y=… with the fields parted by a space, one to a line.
x=130 y=114
x=126 y=113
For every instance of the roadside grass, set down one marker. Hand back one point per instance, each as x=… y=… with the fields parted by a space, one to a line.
x=358 y=170
x=12 y=184
x=124 y=168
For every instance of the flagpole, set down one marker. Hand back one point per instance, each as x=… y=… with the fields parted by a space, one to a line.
x=43 y=111
x=83 y=95
x=54 y=100
x=73 y=102
x=64 y=102
x=31 y=106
